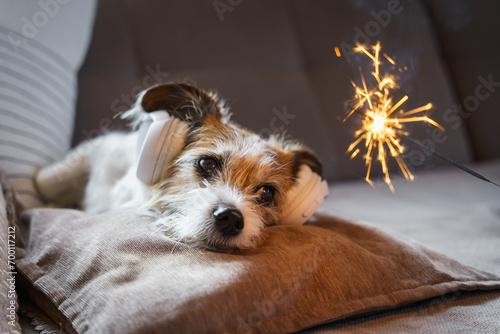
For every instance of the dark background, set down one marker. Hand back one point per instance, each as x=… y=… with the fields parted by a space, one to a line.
x=271 y=57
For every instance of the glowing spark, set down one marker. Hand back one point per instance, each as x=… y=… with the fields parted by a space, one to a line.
x=389 y=59
x=381 y=126
x=337 y=52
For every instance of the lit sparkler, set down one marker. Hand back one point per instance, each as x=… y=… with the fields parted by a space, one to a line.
x=382 y=124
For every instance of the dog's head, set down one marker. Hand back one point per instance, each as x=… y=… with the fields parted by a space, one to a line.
x=223 y=184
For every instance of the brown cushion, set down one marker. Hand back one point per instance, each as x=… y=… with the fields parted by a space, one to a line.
x=111 y=271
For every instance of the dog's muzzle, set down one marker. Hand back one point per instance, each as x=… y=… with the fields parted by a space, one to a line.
x=228 y=220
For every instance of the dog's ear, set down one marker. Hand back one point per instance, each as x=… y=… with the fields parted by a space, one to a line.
x=184 y=101
x=304 y=156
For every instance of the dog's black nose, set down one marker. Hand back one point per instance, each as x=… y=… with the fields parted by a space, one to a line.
x=228 y=220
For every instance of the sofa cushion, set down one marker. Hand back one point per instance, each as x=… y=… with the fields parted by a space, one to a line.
x=42 y=45
x=475 y=68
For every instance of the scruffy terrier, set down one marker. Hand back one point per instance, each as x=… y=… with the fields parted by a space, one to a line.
x=215 y=184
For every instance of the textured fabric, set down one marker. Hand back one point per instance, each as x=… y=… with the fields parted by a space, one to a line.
x=42 y=44
x=450 y=212
x=475 y=69
x=8 y=297
x=274 y=61
x=110 y=272
x=464 y=312
x=446 y=209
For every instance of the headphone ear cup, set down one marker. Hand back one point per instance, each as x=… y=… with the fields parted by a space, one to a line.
x=161 y=138
x=173 y=142
x=304 y=198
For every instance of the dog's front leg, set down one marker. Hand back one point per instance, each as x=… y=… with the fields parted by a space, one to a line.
x=62 y=183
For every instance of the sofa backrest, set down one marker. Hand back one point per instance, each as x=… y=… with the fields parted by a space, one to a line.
x=274 y=61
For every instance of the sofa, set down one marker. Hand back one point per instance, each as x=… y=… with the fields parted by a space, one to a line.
x=420 y=258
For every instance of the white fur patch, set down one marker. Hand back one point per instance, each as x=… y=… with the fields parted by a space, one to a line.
x=136 y=115
x=113 y=183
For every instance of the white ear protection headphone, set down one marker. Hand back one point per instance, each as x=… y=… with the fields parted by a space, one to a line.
x=304 y=198
x=161 y=137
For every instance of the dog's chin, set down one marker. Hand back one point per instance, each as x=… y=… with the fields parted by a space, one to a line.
x=209 y=239
x=217 y=244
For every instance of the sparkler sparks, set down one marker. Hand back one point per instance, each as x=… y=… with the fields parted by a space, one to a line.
x=382 y=118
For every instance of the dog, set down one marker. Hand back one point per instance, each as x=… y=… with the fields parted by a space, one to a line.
x=215 y=184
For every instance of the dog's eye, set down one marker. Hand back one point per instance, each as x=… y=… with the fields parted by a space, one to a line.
x=265 y=194
x=207 y=165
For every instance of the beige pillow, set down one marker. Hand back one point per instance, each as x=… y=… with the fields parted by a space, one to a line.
x=111 y=272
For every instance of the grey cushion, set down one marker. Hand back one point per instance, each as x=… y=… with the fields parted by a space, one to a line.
x=475 y=68
x=42 y=45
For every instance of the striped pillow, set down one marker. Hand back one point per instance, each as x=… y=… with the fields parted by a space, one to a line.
x=38 y=82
